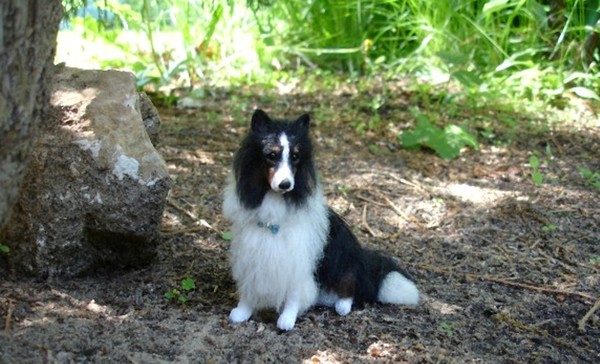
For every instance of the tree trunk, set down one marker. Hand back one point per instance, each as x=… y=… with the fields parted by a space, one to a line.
x=27 y=45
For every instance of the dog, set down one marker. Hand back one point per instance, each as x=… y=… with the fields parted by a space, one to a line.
x=289 y=250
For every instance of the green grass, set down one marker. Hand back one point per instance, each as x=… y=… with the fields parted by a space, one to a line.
x=471 y=41
x=500 y=56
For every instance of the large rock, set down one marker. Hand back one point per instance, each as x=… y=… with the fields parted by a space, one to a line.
x=96 y=188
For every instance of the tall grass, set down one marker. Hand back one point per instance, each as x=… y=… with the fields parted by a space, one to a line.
x=479 y=43
x=175 y=42
x=488 y=33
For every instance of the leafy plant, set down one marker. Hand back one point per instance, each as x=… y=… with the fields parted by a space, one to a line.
x=446 y=142
x=226 y=235
x=448 y=328
x=548 y=228
x=591 y=178
x=374 y=121
x=497 y=51
x=180 y=294
x=536 y=176
x=343 y=189
x=4 y=248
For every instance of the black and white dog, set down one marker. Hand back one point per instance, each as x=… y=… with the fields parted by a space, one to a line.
x=289 y=250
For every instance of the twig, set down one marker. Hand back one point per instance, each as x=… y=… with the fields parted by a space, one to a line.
x=366 y=224
x=588 y=314
x=8 y=318
x=181 y=209
x=191 y=215
x=576 y=238
x=505 y=282
x=399 y=212
x=537 y=288
x=189 y=230
x=409 y=183
x=366 y=199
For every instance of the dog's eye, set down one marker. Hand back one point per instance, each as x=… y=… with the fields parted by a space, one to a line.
x=272 y=156
x=295 y=157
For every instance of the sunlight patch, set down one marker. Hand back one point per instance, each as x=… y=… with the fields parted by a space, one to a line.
x=323 y=356
x=381 y=350
x=442 y=307
x=479 y=196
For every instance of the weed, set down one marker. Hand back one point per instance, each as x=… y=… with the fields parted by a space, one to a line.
x=549 y=228
x=536 y=176
x=343 y=189
x=448 y=328
x=373 y=123
x=180 y=294
x=447 y=142
x=226 y=235
x=374 y=149
x=591 y=178
x=497 y=51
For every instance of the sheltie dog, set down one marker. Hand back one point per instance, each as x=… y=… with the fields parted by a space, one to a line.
x=289 y=250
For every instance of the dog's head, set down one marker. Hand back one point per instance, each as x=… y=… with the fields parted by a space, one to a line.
x=276 y=155
x=281 y=148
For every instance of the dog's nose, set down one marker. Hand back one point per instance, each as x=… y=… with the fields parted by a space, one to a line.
x=285 y=185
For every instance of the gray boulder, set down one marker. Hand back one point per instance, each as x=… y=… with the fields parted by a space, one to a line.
x=96 y=188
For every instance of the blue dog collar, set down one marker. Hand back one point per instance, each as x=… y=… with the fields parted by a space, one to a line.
x=272 y=227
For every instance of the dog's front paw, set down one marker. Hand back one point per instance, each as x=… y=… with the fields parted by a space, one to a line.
x=343 y=306
x=286 y=321
x=240 y=314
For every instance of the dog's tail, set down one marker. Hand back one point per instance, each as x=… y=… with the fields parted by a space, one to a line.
x=391 y=283
x=369 y=275
x=397 y=288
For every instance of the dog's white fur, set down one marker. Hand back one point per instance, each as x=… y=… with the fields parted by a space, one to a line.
x=284 y=172
x=276 y=270
x=397 y=289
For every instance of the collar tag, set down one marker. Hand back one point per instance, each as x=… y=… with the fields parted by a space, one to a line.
x=273 y=228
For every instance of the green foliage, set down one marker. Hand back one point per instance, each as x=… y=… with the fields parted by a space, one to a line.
x=172 y=42
x=447 y=328
x=374 y=121
x=489 y=52
x=495 y=32
x=446 y=142
x=5 y=249
x=591 y=178
x=343 y=189
x=536 y=176
x=226 y=235
x=188 y=284
x=180 y=294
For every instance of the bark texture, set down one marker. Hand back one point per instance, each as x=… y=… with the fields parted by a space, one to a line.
x=27 y=45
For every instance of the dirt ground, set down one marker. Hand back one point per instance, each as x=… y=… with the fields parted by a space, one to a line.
x=509 y=271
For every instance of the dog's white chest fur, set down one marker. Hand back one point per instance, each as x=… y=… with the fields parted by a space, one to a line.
x=273 y=266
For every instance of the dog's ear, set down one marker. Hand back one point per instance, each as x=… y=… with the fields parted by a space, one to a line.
x=303 y=122
x=260 y=120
